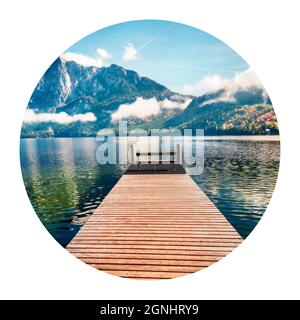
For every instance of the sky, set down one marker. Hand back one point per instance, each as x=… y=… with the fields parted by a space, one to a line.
x=182 y=58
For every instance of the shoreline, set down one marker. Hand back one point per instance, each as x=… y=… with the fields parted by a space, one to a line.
x=206 y=138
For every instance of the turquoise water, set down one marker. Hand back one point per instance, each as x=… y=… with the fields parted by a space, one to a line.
x=65 y=184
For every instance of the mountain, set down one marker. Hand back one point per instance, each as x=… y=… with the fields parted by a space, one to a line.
x=73 y=88
x=243 y=111
x=76 y=90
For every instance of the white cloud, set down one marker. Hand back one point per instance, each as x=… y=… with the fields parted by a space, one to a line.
x=61 y=118
x=130 y=52
x=209 y=83
x=141 y=108
x=100 y=59
x=225 y=97
x=245 y=80
x=172 y=104
x=212 y=83
x=144 y=108
x=103 y=54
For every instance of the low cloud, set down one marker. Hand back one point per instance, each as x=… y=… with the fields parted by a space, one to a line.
x=61 y=118
x=208 y=84
x=245 y=81
x=145 y=108
x=130 y=52
x=175 y=104
x=212 y=83
x=99 y=60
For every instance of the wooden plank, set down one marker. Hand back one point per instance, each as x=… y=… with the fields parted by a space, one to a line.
x=212 y=242
x=151 y=246
x=137 y=263
x=139 y=257
x=95 y=235
x=159 y=252
x=154 y=226
x=143 y=267
x=151 y=275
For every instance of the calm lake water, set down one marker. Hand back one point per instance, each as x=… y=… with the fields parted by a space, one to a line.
x=65 y=184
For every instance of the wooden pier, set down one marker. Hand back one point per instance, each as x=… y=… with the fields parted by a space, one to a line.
x=154 y=226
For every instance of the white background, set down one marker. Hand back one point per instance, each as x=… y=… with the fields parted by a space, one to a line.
x=264 y=33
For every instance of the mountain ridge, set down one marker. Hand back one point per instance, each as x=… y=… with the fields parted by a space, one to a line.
x=66 y=81
x=75 y=89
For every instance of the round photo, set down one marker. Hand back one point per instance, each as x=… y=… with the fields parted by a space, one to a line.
x=149 y=150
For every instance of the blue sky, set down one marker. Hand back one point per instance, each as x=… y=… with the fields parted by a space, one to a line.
x=172 y=54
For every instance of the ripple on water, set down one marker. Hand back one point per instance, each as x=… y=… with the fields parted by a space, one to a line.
x=65 y=184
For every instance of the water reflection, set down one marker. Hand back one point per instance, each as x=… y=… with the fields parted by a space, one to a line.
x=239 y=177
x=65 y=184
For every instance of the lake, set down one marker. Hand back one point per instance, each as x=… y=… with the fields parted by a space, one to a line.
x=65 y=183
